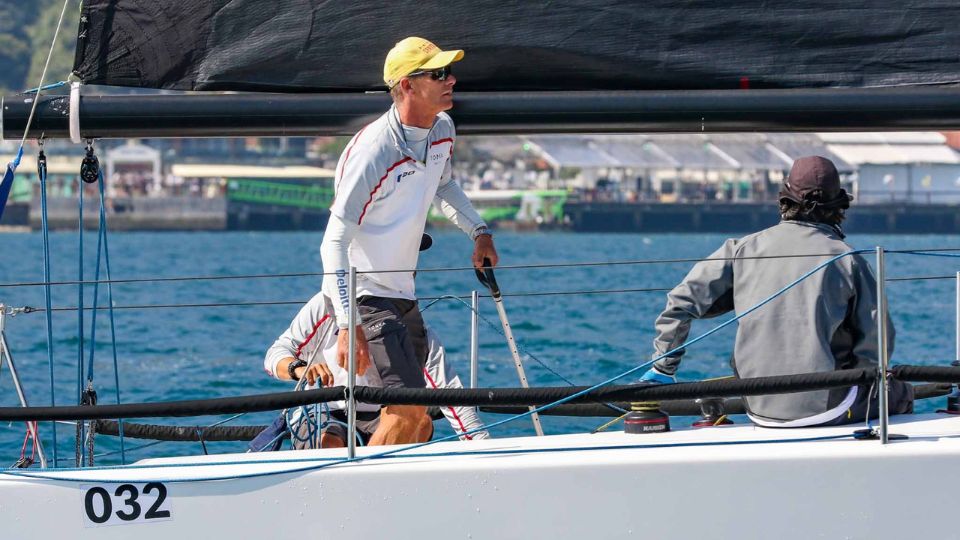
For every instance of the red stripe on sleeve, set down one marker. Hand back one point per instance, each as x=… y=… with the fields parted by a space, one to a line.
x=380 y=183
x=463 y=429
x=312 y=333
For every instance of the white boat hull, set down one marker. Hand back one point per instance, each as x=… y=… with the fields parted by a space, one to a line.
x=732 y=482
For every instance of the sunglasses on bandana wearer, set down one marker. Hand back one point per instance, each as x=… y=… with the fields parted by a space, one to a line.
x=439 y=74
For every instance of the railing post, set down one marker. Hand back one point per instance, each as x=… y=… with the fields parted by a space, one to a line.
x=882 y=346
x=352 y=366
x=957 y=355
x=32 y=427
x=475 y=336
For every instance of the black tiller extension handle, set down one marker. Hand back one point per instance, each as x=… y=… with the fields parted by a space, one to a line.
x=487 y=279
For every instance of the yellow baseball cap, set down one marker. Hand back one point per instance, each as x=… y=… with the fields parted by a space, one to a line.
x=415 y=54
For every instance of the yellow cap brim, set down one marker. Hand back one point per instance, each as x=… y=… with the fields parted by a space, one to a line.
x=442 y=58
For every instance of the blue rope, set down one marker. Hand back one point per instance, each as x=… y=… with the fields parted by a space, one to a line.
x=132 y=448
x=609 y=381
x=96 y=299
x=45 y=87
x=113 y=328
x=42 y=174
x=314 y=459
x=520 y=347
x=93 y=316
x=81 y=426
x=924 y=254
x=526 y=414
x=336 y=461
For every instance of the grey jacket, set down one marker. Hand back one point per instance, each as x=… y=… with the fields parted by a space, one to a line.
x=826 y=322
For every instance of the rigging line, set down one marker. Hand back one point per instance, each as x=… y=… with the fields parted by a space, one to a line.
x=113 y=327
x=928 y=254
x=325 y=462
x=495 y=327
x=132 y=448
x=440 y=269
x=919 y=278
x=50 y=86
x=42 y=176
x=519 y=345
x=29 y=309
x=611 y=380
x=96 y=290
x=317 y=274
x=500 y=330
x=221 y=422
x=608 y=381
x=80 y=332
x=43 y=74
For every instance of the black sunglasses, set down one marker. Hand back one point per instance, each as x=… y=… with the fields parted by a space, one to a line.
x=439 y=74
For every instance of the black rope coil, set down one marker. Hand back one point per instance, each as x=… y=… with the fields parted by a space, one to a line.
x=926 y=373
x=679 y=407
x=178 y=433
x=447 y=397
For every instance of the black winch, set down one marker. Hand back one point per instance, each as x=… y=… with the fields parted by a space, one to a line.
x=646 y=417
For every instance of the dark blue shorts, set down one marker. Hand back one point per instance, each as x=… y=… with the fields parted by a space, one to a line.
x=397 y=340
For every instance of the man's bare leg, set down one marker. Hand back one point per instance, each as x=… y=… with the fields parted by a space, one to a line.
x=399 y=424
x=328 y=440
x=425 y=429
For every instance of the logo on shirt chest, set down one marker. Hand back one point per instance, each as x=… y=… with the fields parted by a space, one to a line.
x=438 y=156
x=403 y=175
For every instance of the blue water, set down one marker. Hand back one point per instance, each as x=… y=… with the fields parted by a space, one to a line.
x=170 y=354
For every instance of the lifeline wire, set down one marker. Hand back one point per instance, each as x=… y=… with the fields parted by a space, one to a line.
x=607 y=382
x=80 y=331
x=465 y=268
x=29 y=309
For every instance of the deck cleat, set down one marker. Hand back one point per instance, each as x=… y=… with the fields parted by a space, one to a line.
x=712 y=413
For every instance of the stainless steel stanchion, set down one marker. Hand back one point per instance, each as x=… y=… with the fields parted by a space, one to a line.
x=882 y=346
x=5 y=353
x=475 y=336
x=352 y=366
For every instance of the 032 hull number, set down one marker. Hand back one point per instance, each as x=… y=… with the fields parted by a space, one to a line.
x=125 y=503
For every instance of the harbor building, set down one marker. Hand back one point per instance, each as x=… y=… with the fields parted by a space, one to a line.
x=902 y=182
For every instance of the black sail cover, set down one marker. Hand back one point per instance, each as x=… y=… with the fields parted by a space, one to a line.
x=339 y=45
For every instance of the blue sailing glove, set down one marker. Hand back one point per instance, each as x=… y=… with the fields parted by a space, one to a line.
x=654 y=375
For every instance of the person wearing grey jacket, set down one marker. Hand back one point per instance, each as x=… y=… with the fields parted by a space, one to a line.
x=826 y=322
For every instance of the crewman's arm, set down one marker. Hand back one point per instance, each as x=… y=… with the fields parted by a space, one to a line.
x=456 y=206
x=707 y=291
x=305 y=333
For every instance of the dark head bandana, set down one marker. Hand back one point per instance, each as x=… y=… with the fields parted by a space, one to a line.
x=814 y=182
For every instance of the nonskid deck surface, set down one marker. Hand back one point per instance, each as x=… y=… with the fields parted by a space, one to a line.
x=929 y=433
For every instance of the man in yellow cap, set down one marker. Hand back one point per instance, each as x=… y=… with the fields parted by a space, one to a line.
x=386 y=179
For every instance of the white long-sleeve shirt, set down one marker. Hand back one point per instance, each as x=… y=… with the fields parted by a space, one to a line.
x=313 y=328
x=383 y=191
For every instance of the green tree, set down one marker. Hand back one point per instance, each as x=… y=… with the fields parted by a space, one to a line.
x=15 y=45
x=41 y=34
